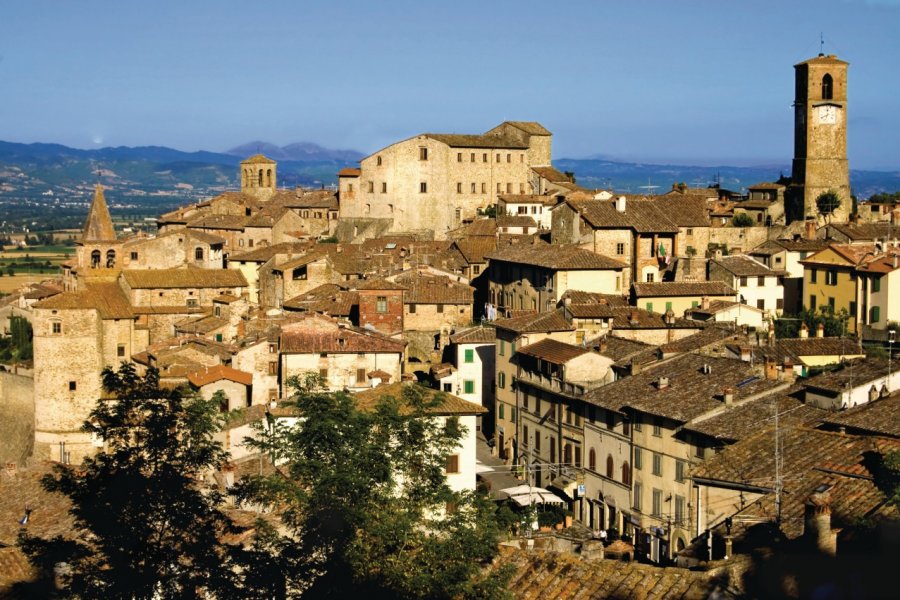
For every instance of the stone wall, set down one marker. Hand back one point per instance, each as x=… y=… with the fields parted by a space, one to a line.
x=16 y=417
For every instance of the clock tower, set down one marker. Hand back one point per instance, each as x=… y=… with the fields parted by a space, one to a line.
x=820 y=139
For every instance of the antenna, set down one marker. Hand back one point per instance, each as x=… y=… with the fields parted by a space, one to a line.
x=821 y=44
x=779 y=459
x=648 y=187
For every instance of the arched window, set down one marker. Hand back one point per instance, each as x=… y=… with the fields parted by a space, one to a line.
x=378 y=160
x=95 y=259
x=110 y=259
x=567 y=454
x=827 y=87
x=609 y=466
x=260 y=178
x=269 y=177
x=198 y=253
x=592 y=460
x=626 y=473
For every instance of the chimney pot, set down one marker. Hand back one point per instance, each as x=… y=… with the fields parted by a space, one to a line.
x=804 y=331
x=820 y=330
x=728 y=395
x=662 y=383
x=620 y=204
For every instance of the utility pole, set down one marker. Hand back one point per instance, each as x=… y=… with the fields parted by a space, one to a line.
x=778 y=466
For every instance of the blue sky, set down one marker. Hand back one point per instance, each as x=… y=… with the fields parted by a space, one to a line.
x=686 y=82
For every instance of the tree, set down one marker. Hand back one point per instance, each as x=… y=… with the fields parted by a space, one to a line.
x=742 y=220
x=835 y=322
x=20 y=336
x=153 y=530
x=828 y=202
x=364 y=496
x=489 y=211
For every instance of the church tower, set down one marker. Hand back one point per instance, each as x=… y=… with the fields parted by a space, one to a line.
x=99 y=253
x=258 y=176
x=820 y=139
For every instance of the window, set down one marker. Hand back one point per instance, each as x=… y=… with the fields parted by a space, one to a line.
x=509 y=188
x=679 y=470
x=592 y=460
x=468 y=386
x=827 y=87
x=440 y=308
x=513 y=414
x=668 y=306
x=499 y=190
x=378 y=161
x=300 y=273
x=552 y=449
x=502 y=348
x=458 y=214
x=650 y=277
x=831 y=304
x=360 y=377
x=657 y=502
x=761 y=304
x=813 y=275
x=743 y=282
x=638 y=490
x=626 y=473
x=423 y=188
x=412 y=309
x=273 y=367
x=469 y=355
x=779 y=303
x=498 y=157
x=876 y=284
x=638 y=459
x=657 y=464
x=657 y=427
x=578 y=456
x=476 y=269
x=484 y=157
x=459 y=187
x=875 y=314
x=637 y=420
x=501 y=414
x=459 y=157
x=134 y=256
x=473 y=188
x=853 y=310
x=272 y=348
x=537 y=441
x=689 y=232
x=371 y=186
x=192 y=303
x=679 y=510
x=812 y=302
x=620 y=249
x=472 y=158
x=698 y=451
x=501 y=380
x=56 y=327
x=73 y=386
x=323 y=373
x=831 y=277
x=609 y=466
x=484 y=188
x=610 y=420
x=453 y=463
x=649 y=304
x=509 y=158
x=384 y=187
x=381 y=304
x=423 y=153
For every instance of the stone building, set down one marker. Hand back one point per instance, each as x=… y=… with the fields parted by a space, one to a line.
x=820 y=139
x=432 y=182
x=99 y=254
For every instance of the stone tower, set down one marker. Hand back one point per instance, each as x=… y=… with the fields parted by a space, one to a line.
x=258 y=177
x=820 y=138
x=99 y=253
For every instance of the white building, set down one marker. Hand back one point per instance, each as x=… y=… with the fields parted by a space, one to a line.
x=757 y=285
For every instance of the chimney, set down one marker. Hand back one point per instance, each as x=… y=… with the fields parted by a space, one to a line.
x=746 y=353
x=817 y=523
x=804 y=331
x=895 y=216
x=604 y=344
x=810 y=230
x=704 y=303
x=634 y=316
x=635 y=367
x=11 y=469
x=873 y=394
x=670 y=318
x=728 y=395
x=620 y=204
x=662 y=383
x=771 y=369
x=820 y=330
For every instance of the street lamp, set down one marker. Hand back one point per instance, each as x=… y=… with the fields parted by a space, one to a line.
x=891 y=334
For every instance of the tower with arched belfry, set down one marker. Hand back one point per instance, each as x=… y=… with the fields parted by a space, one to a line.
x=258 y=176
x=100 y=252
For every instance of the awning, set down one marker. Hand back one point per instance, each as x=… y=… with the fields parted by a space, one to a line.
x=565 y=485
x=525 y=495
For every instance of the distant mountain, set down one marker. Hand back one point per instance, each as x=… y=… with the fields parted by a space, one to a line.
x=299 y=151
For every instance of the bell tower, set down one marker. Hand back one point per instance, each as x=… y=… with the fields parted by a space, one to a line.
x=820 y=139
x=258 y=176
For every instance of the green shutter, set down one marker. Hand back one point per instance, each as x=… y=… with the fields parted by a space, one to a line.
x=469 y=387
x=668 y=306
x=876 y=314
x=470 y=355
x=650 y=306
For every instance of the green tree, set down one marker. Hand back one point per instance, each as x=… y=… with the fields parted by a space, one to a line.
x=835 y=323
x=153 y=529
x=364 y=494
x=828 y=202
x=742 y=220
x=20 y=336
x=489 y=211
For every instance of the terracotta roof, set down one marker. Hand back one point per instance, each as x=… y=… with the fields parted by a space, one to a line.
x=538 y=574
x=882 y=263
x=865 y=231
x=456 y=140
x=267 y=252
x=349 y=172
x=881 y=417
x=536 y=323
x=446 y=404
x=202 y=326
x=202 y=236
x=766 y=185
x=684 y=210
x=225 y=299
x=799 y=348
x=474 y=335
x=556 y=257
x=855 y=372
x=553 y=351
x=709 y=336
x=224 y=222
x=98 y=226
x=690 y=392
x=682 y=288
x=755 y=204
x=620 y=350
x=741 y=265
x=258 y=158
x=183 y=278
x=315 y=334
x=551 y=175
x=478 y=227
x=426 y=289
x=209 y=375
x=642 y=216
x=378 y=285
x=529 y=127
x=474 y=249
x=582 y=297
x=515 y=221
x=107 y=298
x=823 y=59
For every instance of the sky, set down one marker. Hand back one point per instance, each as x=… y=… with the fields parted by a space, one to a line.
x=686 y=82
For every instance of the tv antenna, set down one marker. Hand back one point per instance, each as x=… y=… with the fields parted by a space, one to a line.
x=648 y=187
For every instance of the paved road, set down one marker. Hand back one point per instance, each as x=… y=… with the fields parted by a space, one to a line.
x=491 y=469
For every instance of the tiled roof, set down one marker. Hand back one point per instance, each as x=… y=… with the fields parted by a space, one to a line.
x=107 y=298
x=325 y=199
x=553 y=351
x=529 y=198
x=620 y=350
x=474 y=335
x=582 y=297
x=865 y=231
x=225 y=222
x=744 y=420
x=766 y=185
x=98 y=226
x=854 y=372
x=202 y=236
x=799 y=348
x=258 y=158
x=209 y=375
x=643 y=216
x=741 y=265
x=539 y=575
x=685 y=210
x=515 y=221
x=536 y=323
x=755 y=204
x=682 y=288
x=316 y=334
x=474 y=249
x=690 y=392
x=714 y=334
x=349 y=172
x=557 y=257
x=478 y=227
x=881 y=417
x=267 y=252
x=445 y=404
x=378 y=285
x=183 y=278
x=551 y=175
x=456 y=140
x=426 y=289
x=529 y=127
x=202 y=326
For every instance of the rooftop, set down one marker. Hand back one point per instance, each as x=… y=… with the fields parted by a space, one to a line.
x=474 y=335
x=441 y=403
x=557 y=257
x=881 y=417
x=209 y=375
x=741 y=265
x=183 y=278
x=536 y=323
x=682 y=288
x=553 y=351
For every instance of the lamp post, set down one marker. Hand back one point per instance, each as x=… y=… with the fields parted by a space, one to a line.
x=891 y=334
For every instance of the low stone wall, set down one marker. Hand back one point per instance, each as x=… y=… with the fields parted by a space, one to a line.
x=16 y=417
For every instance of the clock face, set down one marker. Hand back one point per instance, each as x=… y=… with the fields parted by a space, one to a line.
x=827 y=114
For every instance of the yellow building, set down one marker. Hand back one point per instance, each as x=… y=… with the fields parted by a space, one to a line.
x=830 y=280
